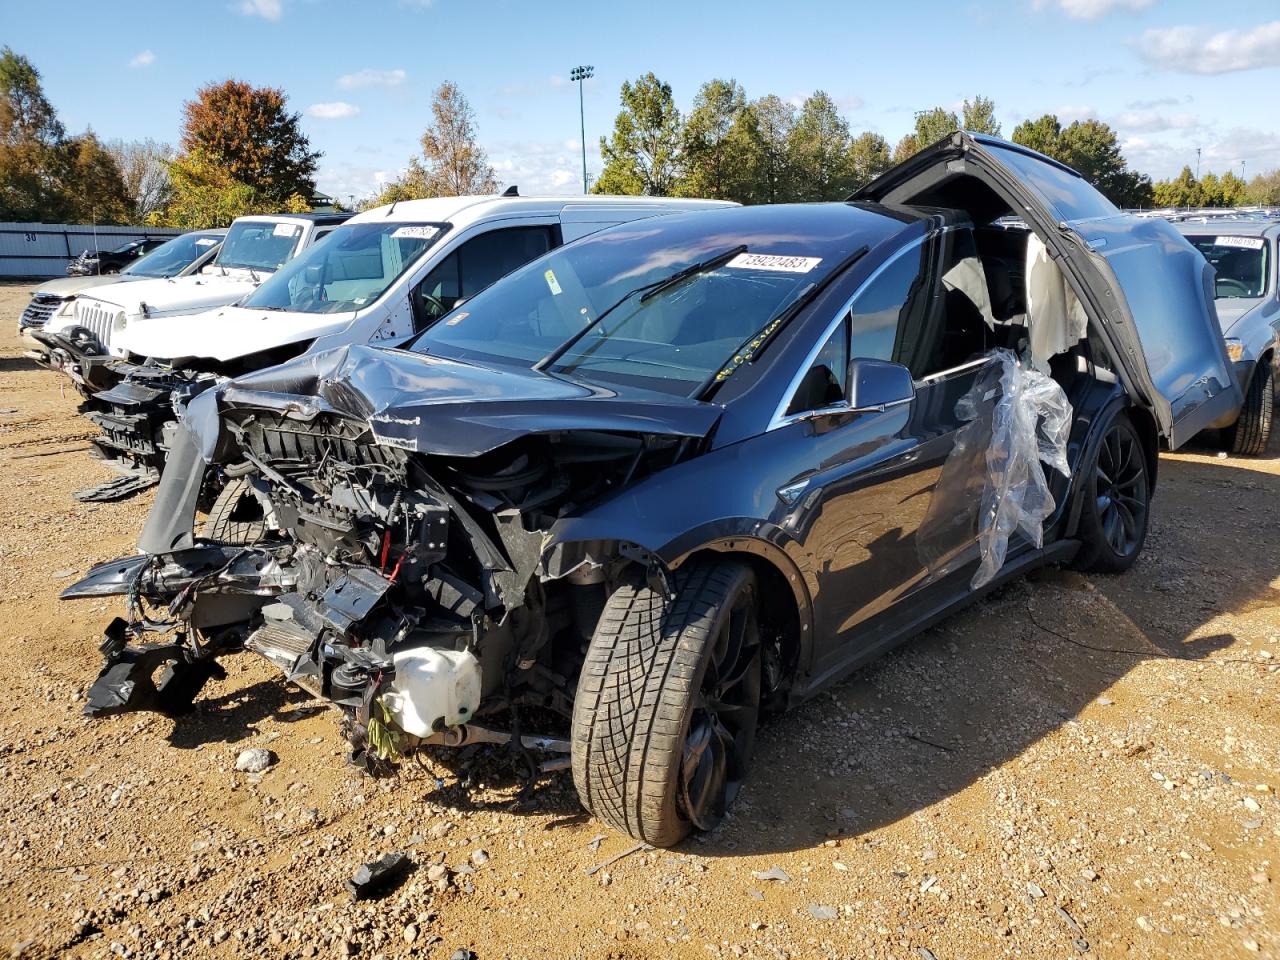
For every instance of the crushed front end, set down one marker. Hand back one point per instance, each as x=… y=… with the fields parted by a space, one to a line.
x=405 y=588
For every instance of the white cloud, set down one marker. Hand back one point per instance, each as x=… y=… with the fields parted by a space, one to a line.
x=1198 y=50
x=266 y=9
x=542 y=167
x=1153 y=121
x=372 y=78
x=1070 y=114
x=337 y=110
x=145 y=59
x=1092 y=9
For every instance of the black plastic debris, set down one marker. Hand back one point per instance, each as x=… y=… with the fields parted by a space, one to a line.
x=380 y=877
x=462 y=953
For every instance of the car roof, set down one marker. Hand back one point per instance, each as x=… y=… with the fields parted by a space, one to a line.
x=791 y=229
x=463 y=211
x=316 y=218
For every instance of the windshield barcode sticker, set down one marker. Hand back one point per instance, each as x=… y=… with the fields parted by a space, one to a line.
x=205 y=242
x=285 y=230
x=414 y=233
x=768 y=261
x=553 y=284
x=1244 y=243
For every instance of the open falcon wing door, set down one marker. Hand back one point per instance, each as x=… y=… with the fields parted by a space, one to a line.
x=1147 y=291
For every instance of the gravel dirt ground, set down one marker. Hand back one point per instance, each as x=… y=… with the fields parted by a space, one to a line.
x=1077 y=766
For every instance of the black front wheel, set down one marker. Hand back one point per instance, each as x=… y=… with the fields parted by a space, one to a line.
x=237 y=515
x=1117 y=507
x=665 y=715
x=1248 y=436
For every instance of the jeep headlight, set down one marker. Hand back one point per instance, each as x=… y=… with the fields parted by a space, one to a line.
x=1235 y=349
x=120 y=322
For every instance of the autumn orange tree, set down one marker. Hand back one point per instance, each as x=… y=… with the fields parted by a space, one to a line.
x=242 y=151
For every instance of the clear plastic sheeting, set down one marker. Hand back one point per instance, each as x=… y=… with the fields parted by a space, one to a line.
x=1030 y=423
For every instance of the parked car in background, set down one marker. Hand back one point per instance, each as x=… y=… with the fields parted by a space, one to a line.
x=54 y=300
x=95 y=262
x=682 y=470
x=81 y=343
x=1244 y=254
x=382 y=276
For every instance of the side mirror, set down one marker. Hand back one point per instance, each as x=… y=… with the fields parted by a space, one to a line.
x=876 y=385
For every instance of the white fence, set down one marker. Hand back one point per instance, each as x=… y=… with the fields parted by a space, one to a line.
x=43 y=249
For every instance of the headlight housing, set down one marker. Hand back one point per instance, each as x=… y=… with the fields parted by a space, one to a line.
x=1235 y=349
x=120 y=322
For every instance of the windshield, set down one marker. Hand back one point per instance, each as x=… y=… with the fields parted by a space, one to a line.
x=253 y=245
x=1240 y=262
x=347 y=270
x=126 y=247
x=171 y=258
x=675 y=338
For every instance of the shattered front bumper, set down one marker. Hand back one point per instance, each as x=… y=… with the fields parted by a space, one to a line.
x=87 y=364
x=137 y=417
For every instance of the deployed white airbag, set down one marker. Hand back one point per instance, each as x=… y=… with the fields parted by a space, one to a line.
x=1055 y=318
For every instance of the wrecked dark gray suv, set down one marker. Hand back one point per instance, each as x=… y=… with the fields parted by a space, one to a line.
x=684 y=470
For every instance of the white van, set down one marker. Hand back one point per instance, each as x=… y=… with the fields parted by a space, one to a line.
x=381 y=277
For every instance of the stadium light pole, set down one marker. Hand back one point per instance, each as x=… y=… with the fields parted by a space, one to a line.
x=579 y=75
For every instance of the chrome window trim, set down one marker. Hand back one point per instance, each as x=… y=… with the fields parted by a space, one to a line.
x=969 y=365
x=780 y=417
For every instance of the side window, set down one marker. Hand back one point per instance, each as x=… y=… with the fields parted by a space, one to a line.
x=826 y=381
x=473 y=266
x=880 y=314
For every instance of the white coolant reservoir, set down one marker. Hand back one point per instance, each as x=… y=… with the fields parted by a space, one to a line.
x=432 y=689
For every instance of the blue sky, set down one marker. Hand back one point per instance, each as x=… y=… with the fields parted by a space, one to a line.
x=1169 y=75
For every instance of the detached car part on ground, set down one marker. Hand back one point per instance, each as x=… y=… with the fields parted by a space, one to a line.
x=1245 y=255
x=384 y=275
x=682 y=471
x=53 y=302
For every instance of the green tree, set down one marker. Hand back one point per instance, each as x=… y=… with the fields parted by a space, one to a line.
x=44 y=175
x=644 y=154
x=868 y=158
x=713 y=156
x=251 y=134
x=1040 y=134
x=818 y=150
x=774 y=118
x=1179 y=191
x=1264 y=189
x=205 y=194
x=979 y=116
x=1091 y=148
x=93 y=189
x=905 y=148
x=933 y=125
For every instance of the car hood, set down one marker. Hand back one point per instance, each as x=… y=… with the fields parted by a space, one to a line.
x=1230 y=311
x=70 y=286
x=448 y=407
x=225 y=333
x=174 y=296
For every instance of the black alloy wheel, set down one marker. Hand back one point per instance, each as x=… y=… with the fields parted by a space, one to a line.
x=1113 y=523
x=722 y=727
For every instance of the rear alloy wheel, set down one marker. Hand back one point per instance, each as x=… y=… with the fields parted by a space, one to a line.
x=665 y=715
x=1117 y=492
x=1248 y=436
x=236 y=516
